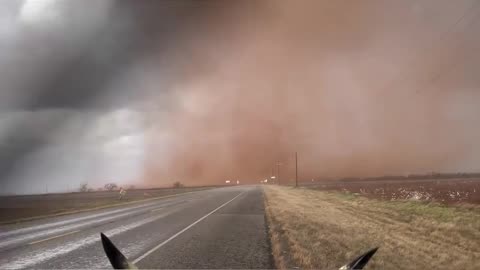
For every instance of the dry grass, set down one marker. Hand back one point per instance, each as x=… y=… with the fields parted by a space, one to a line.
x=324 y=230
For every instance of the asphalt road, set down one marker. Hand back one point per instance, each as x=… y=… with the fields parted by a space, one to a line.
x=217 y=228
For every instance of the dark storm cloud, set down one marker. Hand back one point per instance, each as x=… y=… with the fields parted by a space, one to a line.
x=69 y=65
x=73 y=65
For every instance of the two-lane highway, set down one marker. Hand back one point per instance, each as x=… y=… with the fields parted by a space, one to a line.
x=217 y=228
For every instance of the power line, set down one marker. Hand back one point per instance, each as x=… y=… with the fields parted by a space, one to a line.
x=296 y=169
x=447 y=33
x=453 y=64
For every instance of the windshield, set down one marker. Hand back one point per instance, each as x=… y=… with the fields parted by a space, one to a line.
x=239 y=134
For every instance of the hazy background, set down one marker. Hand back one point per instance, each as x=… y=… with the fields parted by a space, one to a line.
x=152 y=92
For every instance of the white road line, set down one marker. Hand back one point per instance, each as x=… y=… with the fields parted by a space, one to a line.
x=77 y=226
x=53 y=237
x=182 y=231
x=73 y=220
x=29 y=259
x=156 y=209
x=143 y=203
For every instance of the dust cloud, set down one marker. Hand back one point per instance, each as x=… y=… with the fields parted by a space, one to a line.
x=357 y=88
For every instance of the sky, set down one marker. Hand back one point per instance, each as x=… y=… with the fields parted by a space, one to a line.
x=153 y=92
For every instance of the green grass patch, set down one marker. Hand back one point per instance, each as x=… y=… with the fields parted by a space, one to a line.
x=413 y=209
x=345 y=195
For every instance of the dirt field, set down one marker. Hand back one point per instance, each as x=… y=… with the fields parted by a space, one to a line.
x=27 y=206
x=325 y=230
x=447 y=191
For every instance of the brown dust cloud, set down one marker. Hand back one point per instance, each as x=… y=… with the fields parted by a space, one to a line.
x=357 y=88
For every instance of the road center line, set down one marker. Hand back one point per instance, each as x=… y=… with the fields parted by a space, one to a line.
x=182 y=231
x=53 y=237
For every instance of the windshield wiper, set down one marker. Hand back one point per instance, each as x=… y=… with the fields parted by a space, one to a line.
x=119 y=261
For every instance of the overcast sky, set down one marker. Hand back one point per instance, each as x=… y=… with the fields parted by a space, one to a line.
x=149 y=92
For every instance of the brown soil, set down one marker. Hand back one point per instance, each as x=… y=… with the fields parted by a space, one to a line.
x=445 y=191
x=14 y=208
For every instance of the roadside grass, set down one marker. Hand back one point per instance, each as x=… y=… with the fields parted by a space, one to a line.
x=313 y=229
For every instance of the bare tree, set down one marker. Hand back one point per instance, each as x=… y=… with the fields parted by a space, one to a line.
x=83 y=188
x=178 y=185
x=110 y=186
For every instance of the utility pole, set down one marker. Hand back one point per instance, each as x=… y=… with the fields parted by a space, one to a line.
x=272 y=176
x=278 y=172
x=296 y=169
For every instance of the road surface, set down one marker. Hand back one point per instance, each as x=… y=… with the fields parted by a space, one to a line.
x=217 y=228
